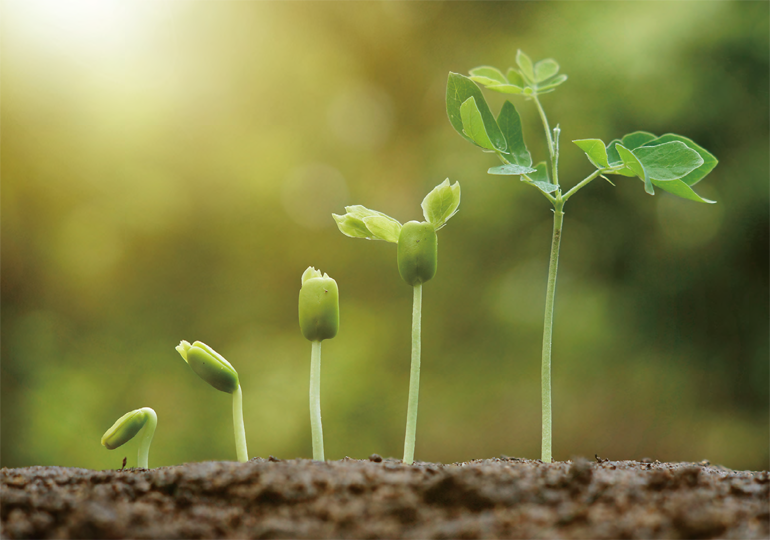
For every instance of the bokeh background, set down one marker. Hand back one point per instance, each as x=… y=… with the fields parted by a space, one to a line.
x=169 y=170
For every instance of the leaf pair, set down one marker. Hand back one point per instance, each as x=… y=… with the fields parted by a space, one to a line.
x=438 y=207
x=671 y=162
x=529 y=79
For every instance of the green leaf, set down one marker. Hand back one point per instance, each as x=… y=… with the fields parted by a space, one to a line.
x=505 y=88
x=636 y=139
x=354 y=223
x=680 y=189
x=510 y=170
x=515 y=78
x=709 y=161
x=459 y=89
x=545 y=69
x=383 y=228
x=540 y=179
x=473 y=124
x=548 y=86
x=352 y=226
x=525 y=64
x=487 y=75
x=595 y=150
x=510 y=124
x=668 y=161
x=441 y=204
x=614 y=158
x=633 y=163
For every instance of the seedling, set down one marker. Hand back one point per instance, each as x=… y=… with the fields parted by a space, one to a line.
x=670 y=162
x=126 y=428
x=319 y=319
x=417 y=262
x=215 y=370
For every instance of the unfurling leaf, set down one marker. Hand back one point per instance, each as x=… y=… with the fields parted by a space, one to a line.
x=383 y=228
x=355 y=224
x=441 y=204
x=595 y=150
x=459 y=89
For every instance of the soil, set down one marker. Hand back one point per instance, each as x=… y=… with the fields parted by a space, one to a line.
x=376 y=498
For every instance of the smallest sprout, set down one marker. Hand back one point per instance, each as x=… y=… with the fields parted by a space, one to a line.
x=126 y=428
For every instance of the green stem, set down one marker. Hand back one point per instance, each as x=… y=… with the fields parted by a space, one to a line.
x=315 y=402
x=545 y=375
x=143 y=457
x=240 y=433
x=580 y=185
x=551 y=149
x=414 y=378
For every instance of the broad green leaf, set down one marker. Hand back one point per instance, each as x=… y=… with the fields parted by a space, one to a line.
x=515 y=78
x=473 y=124
x=680 y=189
x=549 y=85
x=595 y=150
x=505 y=88
x=441 y=203
x=633 y=163
x=383 y=228
x=352 y=226
x=459 y=89
x=510 y=124
x=636 y=139
x=488 y=73
x=525 y=64
x=510 y=170
x=540 y=179
x=709 y=161
x=545 y=69
x=668 y=161
x=614 y=158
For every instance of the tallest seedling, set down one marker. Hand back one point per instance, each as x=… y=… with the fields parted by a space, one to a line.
x=670 y=162
x=417 y=262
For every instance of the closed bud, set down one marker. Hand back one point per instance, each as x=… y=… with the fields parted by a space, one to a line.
x=319 y=306
x=209 y=365
x=126 y=427
x=417 y=252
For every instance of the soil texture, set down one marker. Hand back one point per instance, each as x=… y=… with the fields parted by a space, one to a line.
x=376 y=498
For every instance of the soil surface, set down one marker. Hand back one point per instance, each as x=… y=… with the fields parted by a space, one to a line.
x=376 y=498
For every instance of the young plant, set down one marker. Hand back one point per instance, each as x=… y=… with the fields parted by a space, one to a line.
x=417 y=261
x=319 y=319
x=126 y=428
x=215 y=370
x=670 y=162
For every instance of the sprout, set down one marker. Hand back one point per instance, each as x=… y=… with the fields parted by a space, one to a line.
x=219 y=373
x=417 y=263
x=126 y=428
x=319 y=319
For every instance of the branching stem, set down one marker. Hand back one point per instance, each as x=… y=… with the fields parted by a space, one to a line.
x=414 y=378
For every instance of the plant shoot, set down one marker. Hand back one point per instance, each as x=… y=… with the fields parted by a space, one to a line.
x=127 y=426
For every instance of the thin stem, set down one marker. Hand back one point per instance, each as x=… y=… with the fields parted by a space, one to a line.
x=315 y=402
x=551 y=149
x=545 y=375
x=414 y=378
x=581 y=184
x=143 y=458
x=240 y=433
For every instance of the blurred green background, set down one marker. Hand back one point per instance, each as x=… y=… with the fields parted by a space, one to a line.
x=169 y=170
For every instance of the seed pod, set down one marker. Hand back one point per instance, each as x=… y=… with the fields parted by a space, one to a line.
x=417 y=252
x=209 y=365
x=124 y=429
x=319 y=306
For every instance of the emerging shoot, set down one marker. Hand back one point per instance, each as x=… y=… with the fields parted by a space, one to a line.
x=670 y=162
x=417 y=263
x=126 y=428
x=215 y=370
x=319 y=319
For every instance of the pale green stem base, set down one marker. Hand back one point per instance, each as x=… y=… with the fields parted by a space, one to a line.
x=143 y=458
x=545 y=375
x=315 y=402
x=414 y=378
x=240 y=433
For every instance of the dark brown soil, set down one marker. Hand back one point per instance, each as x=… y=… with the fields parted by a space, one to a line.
x=497 y=498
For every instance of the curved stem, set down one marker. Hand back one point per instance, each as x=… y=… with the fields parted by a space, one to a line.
x=414 y=377
x=143 y=457
x=315 y=402
x=545 y=374
x=240 y=433
x=581 y=184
